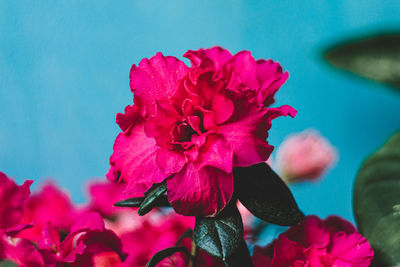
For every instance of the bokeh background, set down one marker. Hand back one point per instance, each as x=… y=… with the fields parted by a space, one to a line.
x=64 y=74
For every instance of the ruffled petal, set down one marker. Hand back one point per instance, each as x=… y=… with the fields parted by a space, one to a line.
x=130 y=116
x=134 y=161
x=199 y=192
x=212 y=58
x=216 y=153
x=247 y=136
x=156 y=78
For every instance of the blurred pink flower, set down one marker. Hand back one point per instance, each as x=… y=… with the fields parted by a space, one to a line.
x=49 y=205
x=318 y=243
x=88 y=244
x=191 y=126
x=102 y=197
x=12 y=199
x=18 y=250
x=305 y=156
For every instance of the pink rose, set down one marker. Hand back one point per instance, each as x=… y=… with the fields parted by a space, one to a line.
x=318 y=243
x=49 y=205
x=305 y=156
x=191 y=126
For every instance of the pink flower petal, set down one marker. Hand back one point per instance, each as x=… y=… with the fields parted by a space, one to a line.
x=201 y=192
x=213 y=58
x=216 y=153
x=12 y=198
x=134 y=158
x=156 y=78
x=247 y=136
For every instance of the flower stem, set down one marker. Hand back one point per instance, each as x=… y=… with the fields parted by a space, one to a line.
x=193 y=253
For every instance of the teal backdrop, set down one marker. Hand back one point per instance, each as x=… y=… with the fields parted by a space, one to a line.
x=64 y=74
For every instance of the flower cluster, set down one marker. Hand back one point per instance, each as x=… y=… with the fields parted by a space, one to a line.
x=192 y=133
x=46 y=229
x=190 y=126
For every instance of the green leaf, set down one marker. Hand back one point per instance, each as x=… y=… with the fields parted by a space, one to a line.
x=161 y=201
x=374 y=57
x=159 y=256
x=220 y=236
x=377 y=202
x=7 y=263
x=265 y=195
x=241 y=257
x=151 y=196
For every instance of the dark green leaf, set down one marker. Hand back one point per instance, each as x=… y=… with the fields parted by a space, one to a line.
x=374 y=57
x=162 y=201
x=377 y=202
x=159 y=256
x=240 y=258
x=265 y=195
x=220 y=236
x=151 y=197
x=7 y=263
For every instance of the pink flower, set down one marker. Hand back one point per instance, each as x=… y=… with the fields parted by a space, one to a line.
x=157 y=232
x=89 y=243
x=103 y=195
x=12 y=199
x=19 y=250
x=191 y=126
x=305 y=156
x=160 y=231
x=318 y=243
x=49 y=205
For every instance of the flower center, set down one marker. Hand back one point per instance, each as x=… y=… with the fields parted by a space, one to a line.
x=181 y=136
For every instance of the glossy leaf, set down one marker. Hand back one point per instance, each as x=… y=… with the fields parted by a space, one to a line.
x=374 y=57
x=241 y=257
x=162 y=201
x=159 y=256
x=377 y=202
x=151 y=197
x=265 y=195
x=220 y=236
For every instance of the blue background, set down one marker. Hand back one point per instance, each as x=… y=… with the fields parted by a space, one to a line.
x=64 y=74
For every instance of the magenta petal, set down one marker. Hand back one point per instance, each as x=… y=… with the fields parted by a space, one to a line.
x=13 y=231
x=213 y=58
x=170 y=161
x=247 y=135
x=25 y=253
x=156 y=78
x=223 y=108
x=90 y=221
x=287 y=251
x=50 y=238
x=245 y=66
x=216 y=153
x=201 y=192
x=130 y=116
x=134 y=159
x=12 y=198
